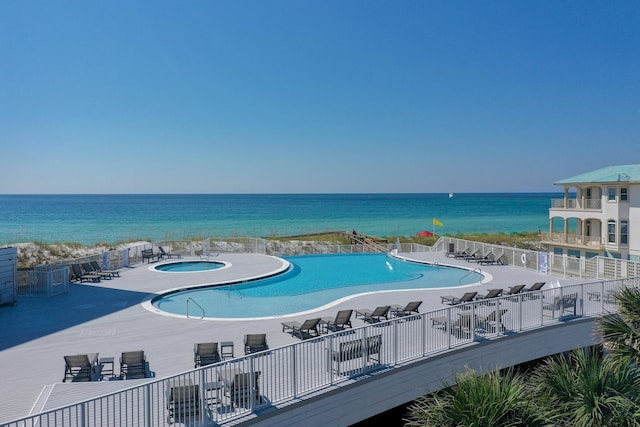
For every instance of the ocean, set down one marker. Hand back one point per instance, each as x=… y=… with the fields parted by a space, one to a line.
x=91 y=219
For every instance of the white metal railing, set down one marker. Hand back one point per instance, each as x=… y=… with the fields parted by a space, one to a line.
x=573 y=239
x=576 y=204
x=215 y=394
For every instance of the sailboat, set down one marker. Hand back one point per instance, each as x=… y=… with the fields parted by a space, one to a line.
x=450 y=195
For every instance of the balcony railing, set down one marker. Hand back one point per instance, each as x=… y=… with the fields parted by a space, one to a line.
x=590 y=204
x=573 y=239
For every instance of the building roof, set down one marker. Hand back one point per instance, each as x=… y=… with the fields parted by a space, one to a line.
x=624 y=173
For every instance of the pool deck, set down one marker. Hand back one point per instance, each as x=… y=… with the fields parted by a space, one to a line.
x=108 y=318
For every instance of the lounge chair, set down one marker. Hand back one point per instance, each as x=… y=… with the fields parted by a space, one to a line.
x=183 y=401
x=97 y=268
x=460 y=327
x=375 y=315
x=254 y=343
x=241 y=387
x=305 y=330
x=561 y=304
x=481 y=258
x=133 y=364
x=493 y=321
x=535 y=287
x=88 y=269
x=412 y=307
x=205 y=354
x=165 y=254
x=466 y=254
x=514 y=290
x=82 y=367
x=79 y=275
x=453 y=300
x=458 y=254
x=340 y=322
x=491 y=259
x=475 y=255
x=491 y=293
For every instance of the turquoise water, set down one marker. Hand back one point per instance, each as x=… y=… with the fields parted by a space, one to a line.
x=314 y=281
x=91 y=219
x=189 y=266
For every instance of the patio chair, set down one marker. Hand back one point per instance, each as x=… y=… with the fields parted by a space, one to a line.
x=165 y=254
x=491 y=259
x=88 y=269
x=491 y=293
x=514 y=291
x=469 y=255
x=453 y=300
x=205 y=354
x=243 y=387
x=493 y=321
x=97 y=268
x=375 y=315
x=460 y=327
x=183 y=401
x=458 y=254
x=561 y=304
x=305 y=330
x=254 y=343
x=535 y=287
x=412 y=307
x=79 y=275
x=133 y=364
x=340 y=322
x=82 y=367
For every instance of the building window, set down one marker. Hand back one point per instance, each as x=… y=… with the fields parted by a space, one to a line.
x=612 y=194
x=558 y=251
x=624 y=232
x=624 y=194
x=611 y=231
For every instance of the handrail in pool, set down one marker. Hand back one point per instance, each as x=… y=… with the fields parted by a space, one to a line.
x=194 y=301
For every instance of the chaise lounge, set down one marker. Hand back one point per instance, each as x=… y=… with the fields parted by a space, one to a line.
x=339 y=323
x=453 y=300
x=375 y=315
x=400 y=311
x=82 y=367
x=97 y=268
x=308 y=329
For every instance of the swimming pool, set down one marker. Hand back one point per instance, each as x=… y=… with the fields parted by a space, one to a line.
x=188 y=266
x=312 y=282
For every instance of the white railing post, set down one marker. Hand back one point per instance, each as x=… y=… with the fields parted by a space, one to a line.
x=147 y=404
x=294 y=371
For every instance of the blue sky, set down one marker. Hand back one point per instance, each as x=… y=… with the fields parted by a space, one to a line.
x=314 y=97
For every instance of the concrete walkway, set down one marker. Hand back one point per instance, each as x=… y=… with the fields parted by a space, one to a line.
x=108 y=318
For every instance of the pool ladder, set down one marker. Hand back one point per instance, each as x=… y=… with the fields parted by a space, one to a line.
x=194 y=301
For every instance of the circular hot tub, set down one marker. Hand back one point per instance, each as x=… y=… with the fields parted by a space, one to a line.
x=189 y=266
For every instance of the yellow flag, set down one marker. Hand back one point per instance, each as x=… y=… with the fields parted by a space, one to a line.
x=436 y=222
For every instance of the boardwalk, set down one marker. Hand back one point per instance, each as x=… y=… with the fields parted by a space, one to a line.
x=108 y=318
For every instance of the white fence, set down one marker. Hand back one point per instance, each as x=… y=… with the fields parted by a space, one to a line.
x=217 y=394
x=598 y=268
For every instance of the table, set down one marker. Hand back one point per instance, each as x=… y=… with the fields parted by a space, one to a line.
x=226 y=349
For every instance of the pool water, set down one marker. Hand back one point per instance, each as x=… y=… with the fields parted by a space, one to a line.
x=189 y=266
x=313 y=281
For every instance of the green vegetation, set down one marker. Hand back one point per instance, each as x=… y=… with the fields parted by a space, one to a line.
x=586 y=388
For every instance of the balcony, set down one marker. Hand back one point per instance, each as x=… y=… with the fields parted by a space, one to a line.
x=577 y=204
x=572 y=239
